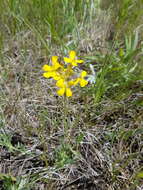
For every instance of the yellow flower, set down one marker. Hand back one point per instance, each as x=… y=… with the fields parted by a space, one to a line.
x=51 y=71
x=71 y=59
x=81 y=79
x=73 y=82
x=64 y=88
x=55 y=75
x=63 y=91
x=65 y=75
x=55 y=65
x=60 y=83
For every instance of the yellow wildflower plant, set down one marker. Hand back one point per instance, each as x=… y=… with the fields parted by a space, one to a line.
x=65 y=75
x=72 y=59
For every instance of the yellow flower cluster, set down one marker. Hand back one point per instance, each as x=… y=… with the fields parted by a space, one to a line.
x=64 y=74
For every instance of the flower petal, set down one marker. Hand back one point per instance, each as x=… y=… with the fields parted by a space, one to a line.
x=72 y=54
x=47 y=68
x=56 y=66
x=67 y=60
x=61 y=91
x=83 y=74
x=74 y=82
x=60 y=83
x=74 y=63
x=54 y=59
x=47 y=74
x=79 y=61
x=68 y=92
x=83 y=82
x=55 y=63
x=56 y=76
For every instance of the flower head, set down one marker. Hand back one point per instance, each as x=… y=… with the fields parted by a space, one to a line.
x=65 y=76
x=51 y=71
x=64 y=88
x=55 y=65
x=72 y=59
x=81 y=79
